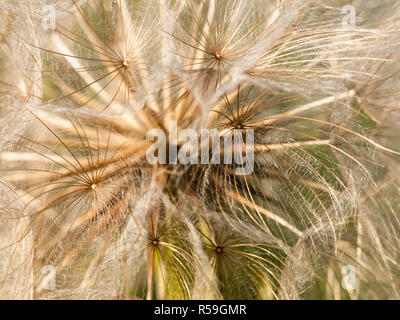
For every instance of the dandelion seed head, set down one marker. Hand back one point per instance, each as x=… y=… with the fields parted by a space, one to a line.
x=79 y=193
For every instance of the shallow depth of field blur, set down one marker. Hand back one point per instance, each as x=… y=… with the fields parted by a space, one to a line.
x=85 y=84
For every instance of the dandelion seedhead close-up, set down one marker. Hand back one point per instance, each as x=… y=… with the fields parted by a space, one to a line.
x=199 y=149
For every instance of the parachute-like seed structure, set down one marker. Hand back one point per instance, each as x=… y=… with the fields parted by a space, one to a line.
x=311 y=92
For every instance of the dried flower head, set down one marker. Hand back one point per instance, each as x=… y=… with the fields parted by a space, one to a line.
x=296 y=179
